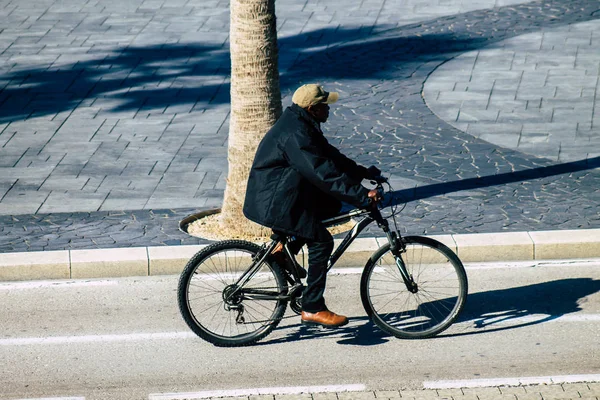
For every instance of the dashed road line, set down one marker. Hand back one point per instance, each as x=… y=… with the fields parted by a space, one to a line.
x=517 y=381
x=258 y=391
x=56 y=398
x=56 y=284
x=132 y=337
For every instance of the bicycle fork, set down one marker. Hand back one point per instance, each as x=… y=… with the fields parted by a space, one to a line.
x=398 y=248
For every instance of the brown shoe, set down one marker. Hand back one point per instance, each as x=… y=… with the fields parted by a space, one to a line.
x=325 y=318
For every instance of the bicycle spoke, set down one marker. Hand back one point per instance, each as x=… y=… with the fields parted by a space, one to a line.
x=430 y=308
x=404 y=306
x=433 y=303
x=387 y=280
x=263 y=320
x=201 y=297
x=207 y=285
x=432 y=292
x=260 y=304
x=384 y=294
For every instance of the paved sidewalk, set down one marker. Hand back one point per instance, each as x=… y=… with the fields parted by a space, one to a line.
x=534 y=93
x=570 y=391
x=108 y=106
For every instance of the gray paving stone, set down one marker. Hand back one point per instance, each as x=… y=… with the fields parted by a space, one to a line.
x=63 y=202
x=129 y=102
x=173 y=202
x=18 y=208
x=62 y=183
x=478 y=115
x=121 y=203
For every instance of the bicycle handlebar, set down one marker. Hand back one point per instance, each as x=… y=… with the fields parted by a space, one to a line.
x=379 y=180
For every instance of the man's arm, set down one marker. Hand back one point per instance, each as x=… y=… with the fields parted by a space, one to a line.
x=356 y=171
x=319 y=168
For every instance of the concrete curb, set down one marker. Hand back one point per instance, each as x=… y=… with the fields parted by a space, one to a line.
x=149 y=261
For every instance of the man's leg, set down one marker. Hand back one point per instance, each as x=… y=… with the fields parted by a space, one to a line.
x=284 y=261
x=318 y=254
x=314 y=310
x=319 y=251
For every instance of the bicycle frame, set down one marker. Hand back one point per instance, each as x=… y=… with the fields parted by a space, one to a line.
x=394 y=239
x=371 y=215
x=350 y=236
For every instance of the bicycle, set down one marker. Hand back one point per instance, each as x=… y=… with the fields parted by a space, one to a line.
x=232 y=294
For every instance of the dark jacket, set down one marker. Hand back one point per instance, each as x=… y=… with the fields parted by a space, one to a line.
x=295 y=171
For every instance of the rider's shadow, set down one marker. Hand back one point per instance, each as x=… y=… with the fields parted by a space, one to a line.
x=522 y=306
x=490 y=311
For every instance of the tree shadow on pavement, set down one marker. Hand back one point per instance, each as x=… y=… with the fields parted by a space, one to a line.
x=136 y=79
x=161 y=76
x=484 y=312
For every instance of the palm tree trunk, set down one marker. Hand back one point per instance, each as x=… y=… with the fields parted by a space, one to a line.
x=255 y=101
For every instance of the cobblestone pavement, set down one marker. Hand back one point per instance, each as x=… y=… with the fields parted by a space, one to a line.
x=109 y=106
x=573 y=391
x=535 y=93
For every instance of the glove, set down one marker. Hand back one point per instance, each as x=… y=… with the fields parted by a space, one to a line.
x=373 y=172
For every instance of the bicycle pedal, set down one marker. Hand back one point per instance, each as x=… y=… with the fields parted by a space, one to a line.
x=296 y=290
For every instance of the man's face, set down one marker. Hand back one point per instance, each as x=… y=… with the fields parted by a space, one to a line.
x=319 y=111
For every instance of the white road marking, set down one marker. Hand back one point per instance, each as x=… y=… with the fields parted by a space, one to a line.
x=346 y=271
x=493 y=382
x=57 y=398
x=591 y=262
x=504 y=318
x=55 y=284
x=257 y=392
x=132 y=337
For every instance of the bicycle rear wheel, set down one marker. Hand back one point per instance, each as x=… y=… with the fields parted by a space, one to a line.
x=219 y=311
x=442 y=289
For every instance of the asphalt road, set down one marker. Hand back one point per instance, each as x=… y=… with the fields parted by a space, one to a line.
x=125 y=339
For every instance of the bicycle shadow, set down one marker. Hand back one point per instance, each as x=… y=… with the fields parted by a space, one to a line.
x=484 y=312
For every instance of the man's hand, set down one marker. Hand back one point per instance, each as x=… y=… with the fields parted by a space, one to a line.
x=374 y=196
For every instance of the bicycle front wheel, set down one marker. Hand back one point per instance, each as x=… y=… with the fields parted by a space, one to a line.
x=220 y=311
x=440 y=295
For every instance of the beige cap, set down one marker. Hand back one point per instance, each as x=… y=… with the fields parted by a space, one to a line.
x=311 y=94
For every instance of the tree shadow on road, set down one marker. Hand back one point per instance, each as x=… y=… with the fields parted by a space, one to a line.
x=484 y=312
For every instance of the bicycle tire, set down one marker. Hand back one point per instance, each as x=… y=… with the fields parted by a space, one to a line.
x=208 y=273
x=429 y=262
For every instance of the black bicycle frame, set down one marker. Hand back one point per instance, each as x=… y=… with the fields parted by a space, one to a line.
x=354 y=232
x=396 y=245
x=372 y=214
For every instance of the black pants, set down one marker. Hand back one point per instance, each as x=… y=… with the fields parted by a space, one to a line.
x=319 y=250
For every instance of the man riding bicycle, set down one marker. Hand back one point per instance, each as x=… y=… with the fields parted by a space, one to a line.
x=297 y=180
